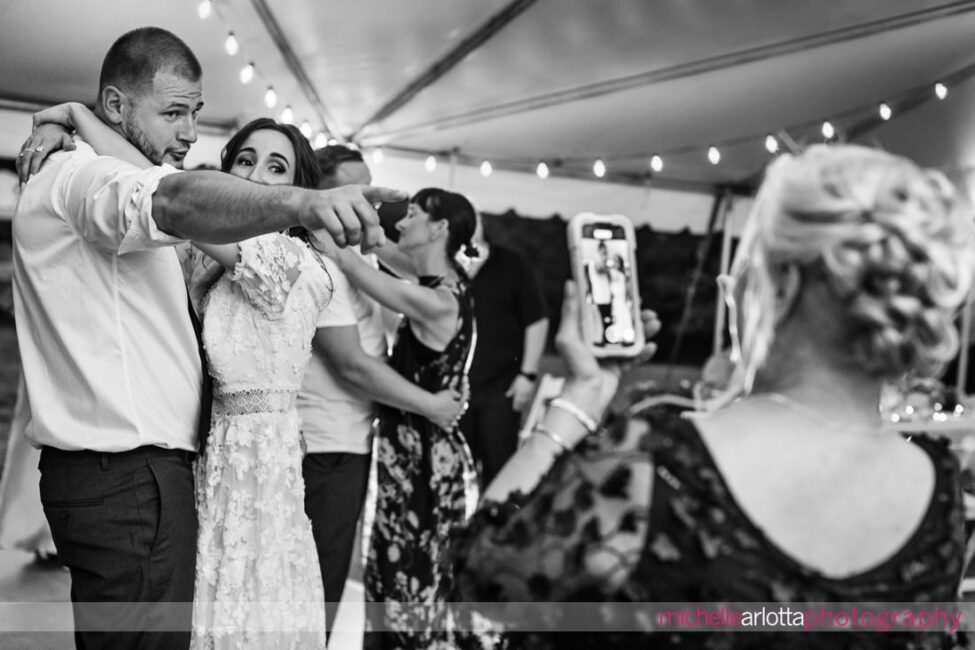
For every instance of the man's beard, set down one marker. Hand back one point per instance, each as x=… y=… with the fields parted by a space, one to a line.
x=137 y=137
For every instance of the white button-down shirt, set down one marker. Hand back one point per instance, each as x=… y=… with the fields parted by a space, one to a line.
x=108 y=349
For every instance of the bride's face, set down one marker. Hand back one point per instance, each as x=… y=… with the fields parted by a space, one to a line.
x=266 y=157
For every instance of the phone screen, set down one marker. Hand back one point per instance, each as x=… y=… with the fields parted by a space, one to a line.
x=608 y=285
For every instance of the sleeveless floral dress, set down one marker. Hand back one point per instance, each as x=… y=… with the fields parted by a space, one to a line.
x=421 y=493
x=258 y=582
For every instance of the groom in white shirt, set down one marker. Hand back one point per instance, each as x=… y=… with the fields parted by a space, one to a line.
x=111 y=360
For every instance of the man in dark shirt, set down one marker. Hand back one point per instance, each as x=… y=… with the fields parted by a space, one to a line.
x=511 y=329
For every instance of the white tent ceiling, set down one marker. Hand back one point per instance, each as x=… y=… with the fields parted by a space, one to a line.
x=565 y=81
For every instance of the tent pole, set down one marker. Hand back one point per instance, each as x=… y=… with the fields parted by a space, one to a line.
x=965 y=334
x=717 y=207
x=720 y=310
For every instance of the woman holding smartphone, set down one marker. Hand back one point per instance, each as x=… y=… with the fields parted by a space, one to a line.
x=849 y=273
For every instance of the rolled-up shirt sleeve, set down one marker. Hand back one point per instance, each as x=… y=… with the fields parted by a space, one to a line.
x=108 y=202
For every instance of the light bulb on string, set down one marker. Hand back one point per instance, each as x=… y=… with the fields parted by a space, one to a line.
x=486 y=169
x=377 y=156
x=287 y=115
x=714 y=155
x=305 y=129
x=771 y=144
x=885 y=111
x=231 y=44
x=656 y=163
x=204 y=9
x=599 y=168
x=542 y=170
x=247 y=73
x=270 y=97
x=828 y=130
x=431 y=163
x=320 y=140
x=940 y=90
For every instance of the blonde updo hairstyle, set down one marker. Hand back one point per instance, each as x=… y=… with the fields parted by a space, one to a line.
x=889 y=238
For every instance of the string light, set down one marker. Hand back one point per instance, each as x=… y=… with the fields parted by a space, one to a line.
x=305 y=129
x=204 y=9
x=270 y=97
x=656 y=162
x=287 y=115
x=247 y=73
x=828 y=130
x=320 y=140
x=231 y=44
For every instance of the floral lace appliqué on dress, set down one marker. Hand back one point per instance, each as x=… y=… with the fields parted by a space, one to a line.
x=258 y=582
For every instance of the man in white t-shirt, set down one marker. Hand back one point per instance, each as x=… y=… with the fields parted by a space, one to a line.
x=345 y=378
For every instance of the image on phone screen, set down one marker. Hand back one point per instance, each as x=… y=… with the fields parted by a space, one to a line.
x=608 y=277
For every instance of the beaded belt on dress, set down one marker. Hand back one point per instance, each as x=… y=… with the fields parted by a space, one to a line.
x=254 y=400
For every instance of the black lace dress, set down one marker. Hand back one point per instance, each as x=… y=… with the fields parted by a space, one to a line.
x=591 y=532
x=421 y=493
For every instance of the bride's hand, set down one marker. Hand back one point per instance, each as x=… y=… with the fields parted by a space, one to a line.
x=591 y=384
x=43 y=141
x=51 y=132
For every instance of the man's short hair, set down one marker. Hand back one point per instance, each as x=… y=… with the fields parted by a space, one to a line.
x=330 y=157
x=134 y=59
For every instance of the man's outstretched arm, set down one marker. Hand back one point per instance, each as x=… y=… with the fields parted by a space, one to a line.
x=217 y=208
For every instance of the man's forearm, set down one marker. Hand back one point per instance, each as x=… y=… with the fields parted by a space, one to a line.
x=217 y=208
x=382 y=384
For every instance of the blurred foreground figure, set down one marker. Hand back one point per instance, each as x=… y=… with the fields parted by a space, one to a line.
x=848 y=273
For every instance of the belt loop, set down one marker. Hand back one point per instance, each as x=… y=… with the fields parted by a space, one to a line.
x=104 y=462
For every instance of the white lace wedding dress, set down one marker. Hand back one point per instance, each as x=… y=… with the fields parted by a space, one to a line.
x=258 y=583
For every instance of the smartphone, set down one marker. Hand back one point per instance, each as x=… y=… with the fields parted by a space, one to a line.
x=603 y=254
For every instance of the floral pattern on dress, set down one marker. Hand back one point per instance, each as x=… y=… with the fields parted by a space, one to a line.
x=683 y=540
x=258 y=582
x=421 y=493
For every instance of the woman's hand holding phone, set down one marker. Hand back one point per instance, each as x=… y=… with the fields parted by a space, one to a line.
x=591 y=383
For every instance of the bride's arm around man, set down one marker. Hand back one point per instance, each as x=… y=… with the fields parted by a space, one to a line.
x=111 y=358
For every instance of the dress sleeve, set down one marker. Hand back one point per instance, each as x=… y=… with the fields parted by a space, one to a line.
x=268 y=268
x=577 y=536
